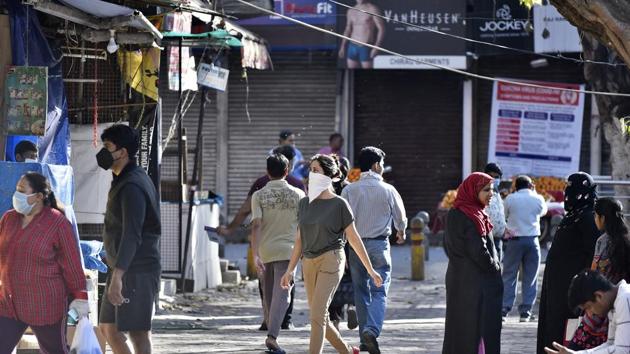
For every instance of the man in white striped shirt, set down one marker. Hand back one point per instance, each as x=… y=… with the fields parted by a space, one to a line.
x=375 y=205
x=592 y=293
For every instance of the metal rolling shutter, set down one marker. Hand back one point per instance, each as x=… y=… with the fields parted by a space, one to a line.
x=299 y=94
x=415 y=116
x=170 y=99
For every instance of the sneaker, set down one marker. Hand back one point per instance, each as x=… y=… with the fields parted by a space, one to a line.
x=353 y=321
x=370 y=343
x=525 y=317
x=263 y=327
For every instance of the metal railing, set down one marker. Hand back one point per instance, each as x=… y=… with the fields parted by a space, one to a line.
x=605 y=188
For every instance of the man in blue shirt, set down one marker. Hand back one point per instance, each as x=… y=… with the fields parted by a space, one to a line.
x=523 y=210
x=300 y=167
x=375 y=205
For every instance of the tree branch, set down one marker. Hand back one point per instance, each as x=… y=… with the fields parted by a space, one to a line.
x=607 y=20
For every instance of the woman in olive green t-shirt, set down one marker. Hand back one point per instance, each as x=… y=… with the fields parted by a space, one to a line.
x=325 y=220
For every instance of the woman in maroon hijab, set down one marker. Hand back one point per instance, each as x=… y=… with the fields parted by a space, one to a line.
x=474 y=290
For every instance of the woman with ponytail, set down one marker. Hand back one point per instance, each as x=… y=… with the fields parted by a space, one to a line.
x=40 y=268
x=325 y=223
x=612 y=260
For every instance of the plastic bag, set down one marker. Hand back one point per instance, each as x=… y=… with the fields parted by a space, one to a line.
x=85 y=341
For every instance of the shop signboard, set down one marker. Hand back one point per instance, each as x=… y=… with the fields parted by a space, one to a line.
x=284 y=34
x=553 y=33
x=536 y=131
x=403 y=30
x=26 y=97
x=502 y=22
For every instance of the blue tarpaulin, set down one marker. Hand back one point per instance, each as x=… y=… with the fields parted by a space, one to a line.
x=26 y=32
x=60 y=177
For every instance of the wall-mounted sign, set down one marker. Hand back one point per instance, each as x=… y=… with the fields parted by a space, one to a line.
x=26 y=97
x=536 y=131
x=553 y=33
x=401 y=31
x=212 y=76
x=286 y=35
x=503 y=22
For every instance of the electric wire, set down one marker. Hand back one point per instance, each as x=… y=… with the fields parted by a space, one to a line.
x=522 y=51
x=453 y=70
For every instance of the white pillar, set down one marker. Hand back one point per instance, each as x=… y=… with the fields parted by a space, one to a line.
x=596 y=140
x=467 y=129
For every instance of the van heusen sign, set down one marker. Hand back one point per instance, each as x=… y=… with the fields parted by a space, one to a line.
x=405 y=38
x=504 y=22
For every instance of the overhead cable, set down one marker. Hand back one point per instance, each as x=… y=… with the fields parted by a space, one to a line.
x=453 y=70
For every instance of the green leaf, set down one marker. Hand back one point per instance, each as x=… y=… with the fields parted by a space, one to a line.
x=530 y=3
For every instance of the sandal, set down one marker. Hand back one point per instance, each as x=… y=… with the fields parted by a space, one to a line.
x=273 y=347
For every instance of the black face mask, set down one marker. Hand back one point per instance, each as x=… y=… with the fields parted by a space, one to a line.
x=104 y=159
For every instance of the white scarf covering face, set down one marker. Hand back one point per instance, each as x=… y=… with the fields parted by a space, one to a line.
x=317 y=184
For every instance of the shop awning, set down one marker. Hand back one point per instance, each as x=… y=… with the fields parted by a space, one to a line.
x=97 y=14
x=214 y=38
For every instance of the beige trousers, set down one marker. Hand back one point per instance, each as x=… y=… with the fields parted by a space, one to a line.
x=321 y=278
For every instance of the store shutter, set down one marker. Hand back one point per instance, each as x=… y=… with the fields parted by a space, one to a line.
x=299 y=95
x=415 y=116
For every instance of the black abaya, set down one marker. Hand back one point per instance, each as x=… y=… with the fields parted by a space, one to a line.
x=571 y=251
x=474 y=289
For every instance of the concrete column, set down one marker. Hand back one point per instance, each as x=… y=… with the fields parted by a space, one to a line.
x=467 y=129
x=222 y=149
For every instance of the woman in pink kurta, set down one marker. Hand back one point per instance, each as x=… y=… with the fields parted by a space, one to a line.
x=40 y=268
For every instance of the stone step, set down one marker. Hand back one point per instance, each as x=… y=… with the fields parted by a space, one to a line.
x=231 y=277
x=168 y=287
x=224 y=264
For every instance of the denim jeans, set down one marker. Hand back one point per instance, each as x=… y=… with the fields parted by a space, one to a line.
x=525 y=251
x=370 y=301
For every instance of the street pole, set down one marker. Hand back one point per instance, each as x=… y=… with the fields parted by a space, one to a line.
x=194 y=183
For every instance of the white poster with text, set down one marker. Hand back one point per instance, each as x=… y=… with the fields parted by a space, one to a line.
x=536 y=131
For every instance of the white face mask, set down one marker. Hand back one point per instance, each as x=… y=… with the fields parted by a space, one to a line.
x=317 y=184
x=20 y=203
x=30 y=161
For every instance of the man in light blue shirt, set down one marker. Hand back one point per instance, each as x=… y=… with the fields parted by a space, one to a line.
x=523 y=210
x=300 y=166
x=375 y=205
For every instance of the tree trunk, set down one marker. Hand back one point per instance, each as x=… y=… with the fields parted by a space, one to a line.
x=611 y=109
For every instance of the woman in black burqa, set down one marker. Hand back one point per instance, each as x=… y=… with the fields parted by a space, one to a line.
x=571 y=251
x=474 y=289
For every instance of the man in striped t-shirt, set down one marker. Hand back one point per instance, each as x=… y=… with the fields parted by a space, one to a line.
x=375 y=205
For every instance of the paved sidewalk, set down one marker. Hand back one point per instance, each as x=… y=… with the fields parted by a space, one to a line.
x=226 y=320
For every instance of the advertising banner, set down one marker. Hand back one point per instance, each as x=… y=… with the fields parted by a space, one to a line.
x=553 y=33
x=536 y=131
x=405 y=38
x=26 y=94
x=503 y=22
x=286 y=35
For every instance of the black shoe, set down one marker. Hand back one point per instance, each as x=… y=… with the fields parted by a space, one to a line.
x=525 y=317
x=363 y=347
x=288 y=326
x=263 y=327
x=370 y=343
x=353 y=322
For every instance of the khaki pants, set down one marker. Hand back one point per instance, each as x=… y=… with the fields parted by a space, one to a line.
x=321 y=277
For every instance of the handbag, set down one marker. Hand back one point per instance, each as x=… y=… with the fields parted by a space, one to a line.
x=85 y=341
x=570 y=328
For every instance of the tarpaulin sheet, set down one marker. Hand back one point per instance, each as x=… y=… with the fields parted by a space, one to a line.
x=54 y=146
x=61 y=181
x=99 y=8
